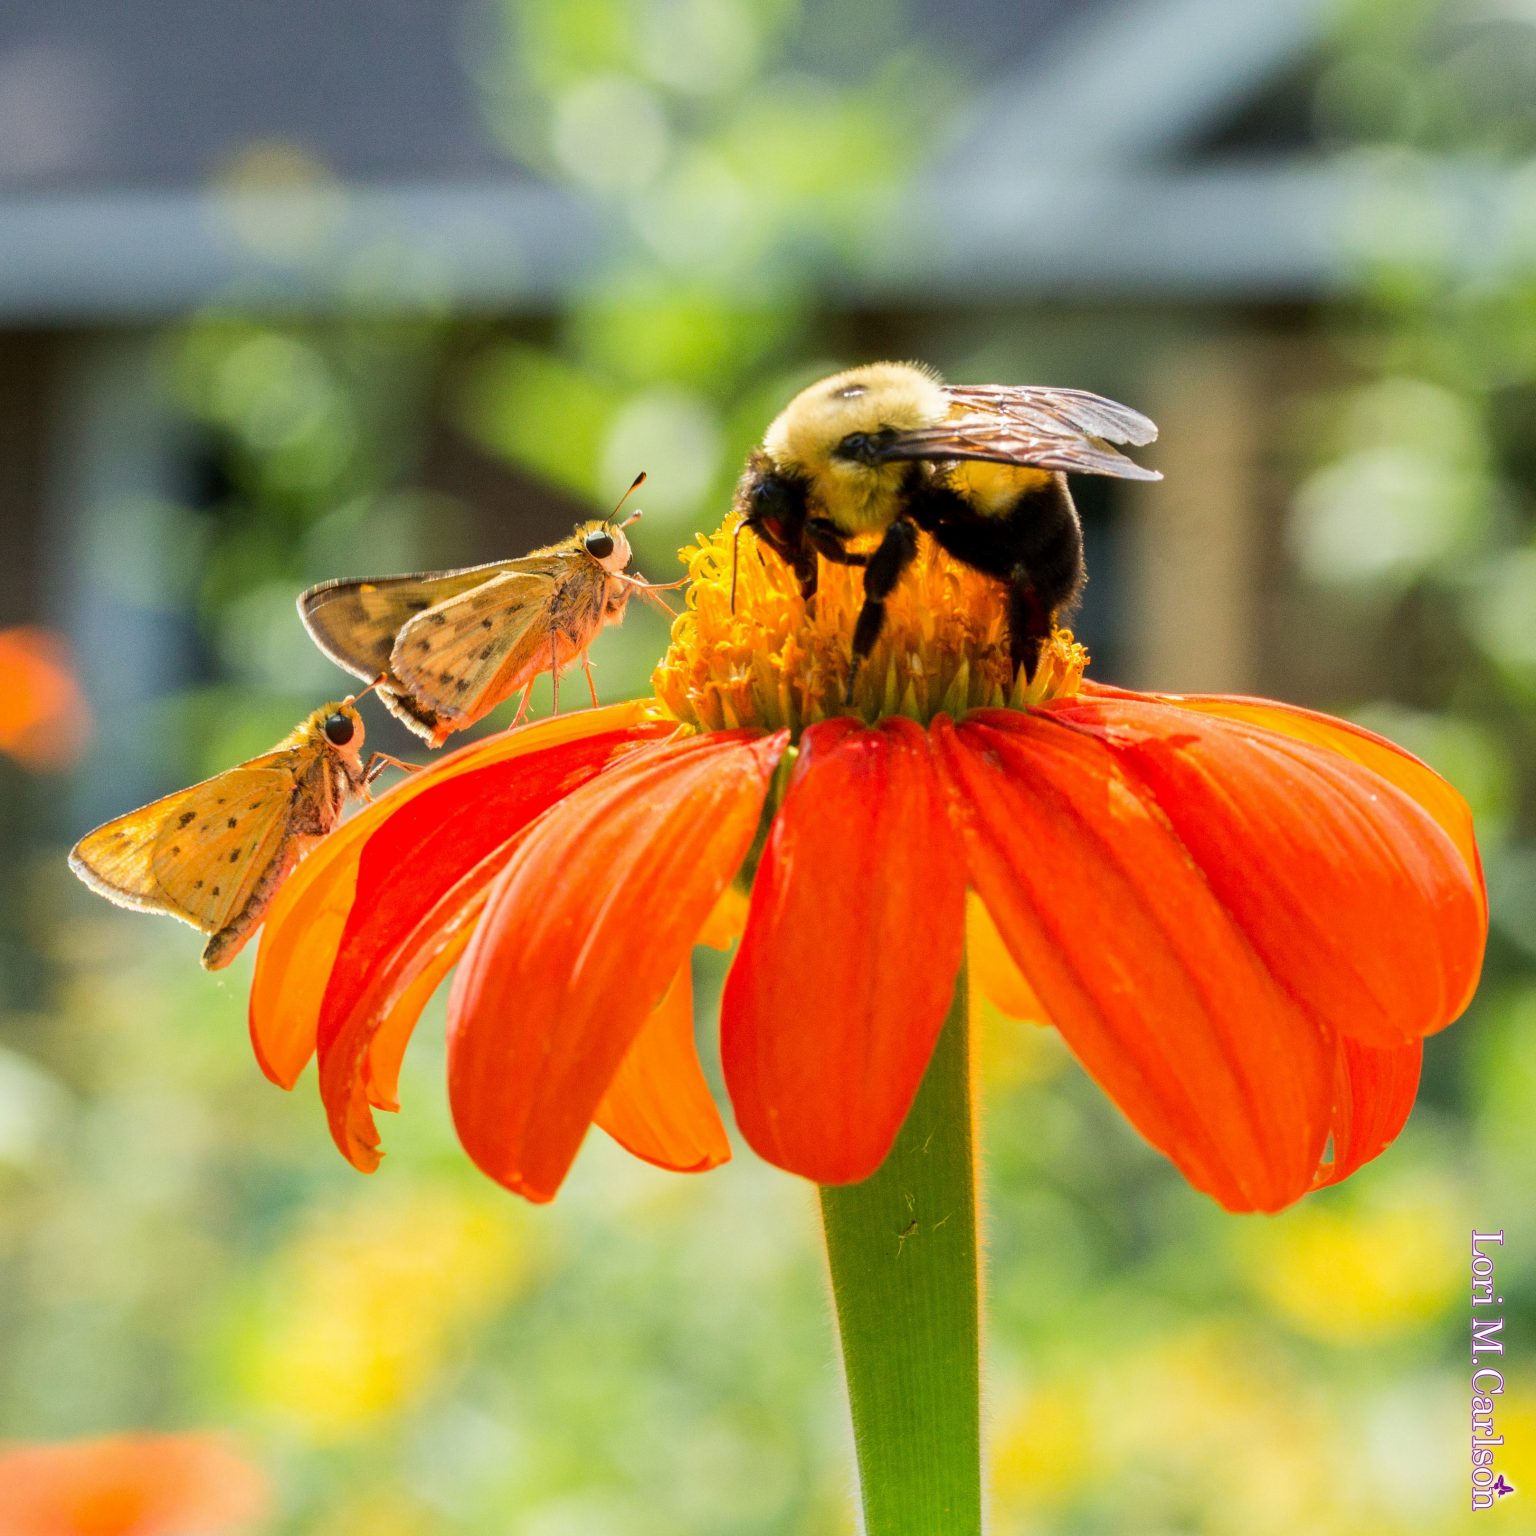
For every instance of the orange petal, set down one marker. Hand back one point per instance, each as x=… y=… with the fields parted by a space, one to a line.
x=1414 y=777
x=993 y=974
x=423 y=876
x=1352 y=894
x=723 y=926
x=392 y=1033
x=304 y=923
x=1139 y=966
x=853 y=941
x=582 y=935
x=1373 y=1093
x=658 y=1105
x=360 y=1057
x=129 y=1485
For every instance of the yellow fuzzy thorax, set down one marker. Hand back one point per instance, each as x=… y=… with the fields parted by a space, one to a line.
x=802 y=439
x=777 y=662
x=860 y=497
x=900 y=395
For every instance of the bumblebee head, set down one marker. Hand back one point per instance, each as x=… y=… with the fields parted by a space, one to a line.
x=844 y=427
x=606 y=543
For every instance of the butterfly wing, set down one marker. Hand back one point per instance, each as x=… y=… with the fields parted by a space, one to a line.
x=1061 y=429
x=459 y=659
x=201 y=853
x=355 y=621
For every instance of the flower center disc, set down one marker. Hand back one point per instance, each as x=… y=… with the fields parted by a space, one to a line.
x=776 y=661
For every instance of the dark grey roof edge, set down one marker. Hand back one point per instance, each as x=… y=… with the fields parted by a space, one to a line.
x=1279 y=232
x=122 y=255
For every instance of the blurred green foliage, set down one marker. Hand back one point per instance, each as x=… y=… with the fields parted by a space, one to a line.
x=418 y=1353
x=1419 y=525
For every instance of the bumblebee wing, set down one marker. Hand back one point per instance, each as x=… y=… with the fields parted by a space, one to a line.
x=1062 y=429
x=1077 y=410
x=451 y=655
x=355 y=621
x=200 y=853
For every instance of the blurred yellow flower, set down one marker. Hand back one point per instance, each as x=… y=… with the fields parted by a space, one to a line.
x=1202 y=1429
x=1358 y=1276
x=368 y=1301
x=1043 y=1446
x=1515 y=1418
x=382 y=1512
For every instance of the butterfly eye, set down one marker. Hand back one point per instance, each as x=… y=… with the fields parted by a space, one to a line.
x=599 y=545
x=338 y=729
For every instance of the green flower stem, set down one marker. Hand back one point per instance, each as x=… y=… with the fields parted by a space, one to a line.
x=902 y=1251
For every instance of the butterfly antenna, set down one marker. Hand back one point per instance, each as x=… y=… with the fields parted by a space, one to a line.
x=362 y=693
x=634 y=485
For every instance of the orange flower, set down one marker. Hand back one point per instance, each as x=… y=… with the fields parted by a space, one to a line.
x=128 y=1485
x=1242 y=917
x=44 y=722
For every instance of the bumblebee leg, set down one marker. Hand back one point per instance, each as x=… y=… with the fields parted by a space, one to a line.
x=1035 y=547
x=808 y=573
x=1029 y=622
x=897 y=551
x=828 y=540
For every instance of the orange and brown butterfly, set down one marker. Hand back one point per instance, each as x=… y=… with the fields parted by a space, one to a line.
x=446 y=647
x=214 y=855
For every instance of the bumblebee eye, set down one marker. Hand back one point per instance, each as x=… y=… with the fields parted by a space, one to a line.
x=339 y=729
x=599 y=545
x=864 y=447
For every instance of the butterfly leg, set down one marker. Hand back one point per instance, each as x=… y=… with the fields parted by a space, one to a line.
x=379 y=761
x=522 y=703
x=554 y=671
x=586 y=663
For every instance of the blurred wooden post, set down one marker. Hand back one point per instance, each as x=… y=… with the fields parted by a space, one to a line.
x=1195 y=539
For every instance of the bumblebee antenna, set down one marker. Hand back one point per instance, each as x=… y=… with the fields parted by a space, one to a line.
x=634 y=485
x=735 y=561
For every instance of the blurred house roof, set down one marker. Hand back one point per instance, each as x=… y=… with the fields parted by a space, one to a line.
x=155 y=95
x=1147 y=146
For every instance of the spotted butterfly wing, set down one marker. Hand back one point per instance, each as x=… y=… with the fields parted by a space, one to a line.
x=207 y=855
x=355 y=621
x=454 y=663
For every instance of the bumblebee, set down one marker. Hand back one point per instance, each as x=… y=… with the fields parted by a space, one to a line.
x=890 y=449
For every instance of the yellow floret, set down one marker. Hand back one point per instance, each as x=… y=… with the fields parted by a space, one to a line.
x=776 y=661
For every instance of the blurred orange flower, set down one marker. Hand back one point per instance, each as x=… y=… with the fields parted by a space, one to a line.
x=44 y=720
x=1242 y=917
x=129 y=1485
